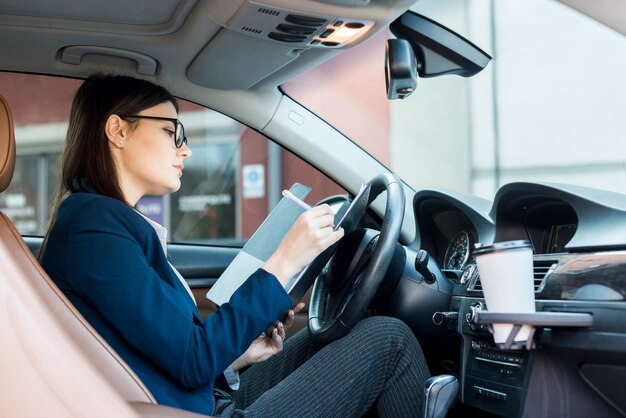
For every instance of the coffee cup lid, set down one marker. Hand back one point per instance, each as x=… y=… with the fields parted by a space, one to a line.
x=502 y=246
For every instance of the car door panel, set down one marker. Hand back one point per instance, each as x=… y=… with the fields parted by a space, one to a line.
x=202 y=265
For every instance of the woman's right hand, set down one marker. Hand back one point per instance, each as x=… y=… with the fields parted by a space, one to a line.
x=311 y=234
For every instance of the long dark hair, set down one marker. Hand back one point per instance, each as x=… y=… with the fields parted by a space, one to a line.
x=87 y=156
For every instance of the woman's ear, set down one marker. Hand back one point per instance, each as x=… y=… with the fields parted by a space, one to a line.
x=116 y=130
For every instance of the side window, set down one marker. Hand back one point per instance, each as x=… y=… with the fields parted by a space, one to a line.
x=40 y=107
x=231 y=182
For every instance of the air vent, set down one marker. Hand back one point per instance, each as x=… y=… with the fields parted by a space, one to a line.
x=541 y=269
x=476 y=286
x=268 y=11
x=251 y=30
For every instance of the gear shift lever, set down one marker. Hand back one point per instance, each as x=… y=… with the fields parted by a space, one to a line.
x=439 y=395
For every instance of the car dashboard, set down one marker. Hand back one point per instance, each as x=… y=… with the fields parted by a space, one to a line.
x=578 y=237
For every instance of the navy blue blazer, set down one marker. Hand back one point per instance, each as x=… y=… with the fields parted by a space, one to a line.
x=109 y=262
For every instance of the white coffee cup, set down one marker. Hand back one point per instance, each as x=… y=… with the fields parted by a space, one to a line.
x=506 y=275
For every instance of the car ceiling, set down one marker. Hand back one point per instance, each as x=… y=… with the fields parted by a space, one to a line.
x=197 y=49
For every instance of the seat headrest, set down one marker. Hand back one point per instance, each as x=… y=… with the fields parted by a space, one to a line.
x=7 y=145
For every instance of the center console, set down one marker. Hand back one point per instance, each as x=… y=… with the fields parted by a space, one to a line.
x=492 y=379
x=495 y=378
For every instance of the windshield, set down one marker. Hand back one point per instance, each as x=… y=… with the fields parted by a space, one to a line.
x=548 y=107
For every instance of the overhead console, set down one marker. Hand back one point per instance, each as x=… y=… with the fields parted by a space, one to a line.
x=297 y=28
x=273 y=34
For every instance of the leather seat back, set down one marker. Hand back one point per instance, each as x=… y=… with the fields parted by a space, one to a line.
x=27 y=269
x=44 y=374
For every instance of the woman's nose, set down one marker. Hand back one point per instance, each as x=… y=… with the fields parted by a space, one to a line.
x=184 y=151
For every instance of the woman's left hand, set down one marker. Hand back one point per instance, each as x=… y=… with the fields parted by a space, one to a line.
x=266 y=346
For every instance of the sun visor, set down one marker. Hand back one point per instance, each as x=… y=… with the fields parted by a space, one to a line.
x=234 y=61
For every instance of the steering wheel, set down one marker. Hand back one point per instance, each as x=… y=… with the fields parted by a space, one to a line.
x=359 y=263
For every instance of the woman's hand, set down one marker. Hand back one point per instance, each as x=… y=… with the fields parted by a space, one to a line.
x=265 y=346
x=261 y=349
x=311 y=234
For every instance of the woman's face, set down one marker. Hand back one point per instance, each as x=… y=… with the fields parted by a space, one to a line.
x=149 y=162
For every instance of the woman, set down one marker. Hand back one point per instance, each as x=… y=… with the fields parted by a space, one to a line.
x=124 y=141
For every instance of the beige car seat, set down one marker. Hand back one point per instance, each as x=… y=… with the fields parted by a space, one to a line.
x=54 y=364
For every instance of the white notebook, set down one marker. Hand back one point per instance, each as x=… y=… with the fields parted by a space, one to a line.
x=259 y=247
x=266 y=239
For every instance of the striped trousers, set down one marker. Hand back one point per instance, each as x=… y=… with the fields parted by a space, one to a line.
x=378 y=364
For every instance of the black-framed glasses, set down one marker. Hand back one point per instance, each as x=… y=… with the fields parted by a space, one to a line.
x=179 y=130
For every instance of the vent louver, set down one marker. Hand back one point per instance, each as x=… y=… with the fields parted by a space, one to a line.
x=249 y=29
x=268 y=11
x=541 y=269
x=477 y=286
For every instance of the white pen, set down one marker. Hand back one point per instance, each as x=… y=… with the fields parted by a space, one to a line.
x=299 y=202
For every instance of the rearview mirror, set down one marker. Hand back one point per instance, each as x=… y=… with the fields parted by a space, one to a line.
x=400 y=69
x=427 y=49
x=439 y=50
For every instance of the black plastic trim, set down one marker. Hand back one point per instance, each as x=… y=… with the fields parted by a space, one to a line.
x=305 y=20
x=284 y=37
